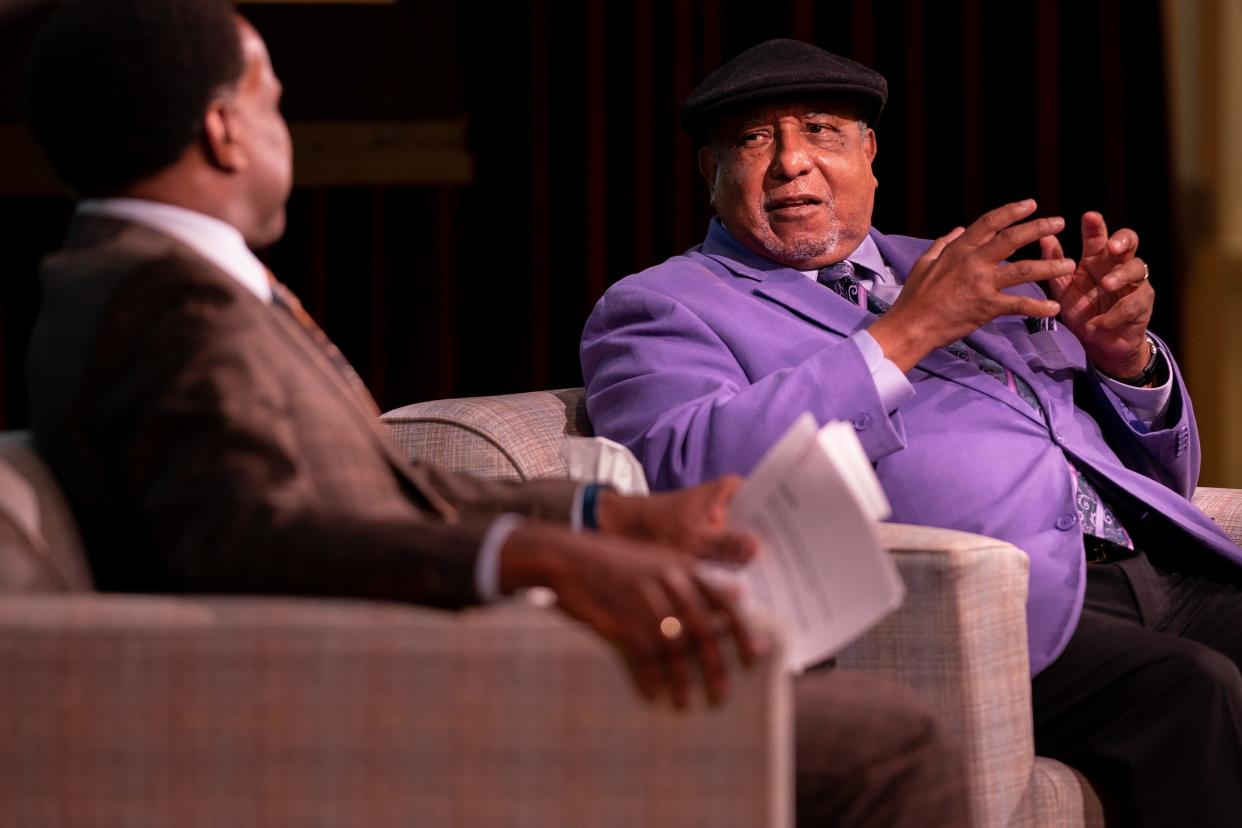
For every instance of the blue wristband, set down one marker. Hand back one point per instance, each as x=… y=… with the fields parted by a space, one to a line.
x=590 y=505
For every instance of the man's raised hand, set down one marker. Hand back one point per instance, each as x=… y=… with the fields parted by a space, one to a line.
x=959 y=284
x=1106 y=301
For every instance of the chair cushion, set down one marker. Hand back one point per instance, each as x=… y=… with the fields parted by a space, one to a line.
x=40 y=548
x=1224 y=506
x=509 y=437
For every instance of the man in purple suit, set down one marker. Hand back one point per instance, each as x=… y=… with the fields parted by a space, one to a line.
x=1058 y=424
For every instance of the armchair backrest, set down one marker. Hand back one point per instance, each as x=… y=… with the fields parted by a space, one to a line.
x=40 y=546
x=510 y=437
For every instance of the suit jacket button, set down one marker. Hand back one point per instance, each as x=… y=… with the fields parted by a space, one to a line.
x=1067 y=522
x=861 y=422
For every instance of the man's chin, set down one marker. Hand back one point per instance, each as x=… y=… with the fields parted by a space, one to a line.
x=801 y=252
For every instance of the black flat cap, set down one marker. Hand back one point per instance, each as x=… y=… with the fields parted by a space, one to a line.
x=781 y=70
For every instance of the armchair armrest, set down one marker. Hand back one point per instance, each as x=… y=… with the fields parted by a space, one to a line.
x=960 y=641
x=1223 y=506
x=148 y=710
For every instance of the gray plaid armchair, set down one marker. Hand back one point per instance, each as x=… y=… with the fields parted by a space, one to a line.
x=960 y=638
x=148 y=710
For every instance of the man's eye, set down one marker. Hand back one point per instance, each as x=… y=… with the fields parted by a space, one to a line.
x=751 y=138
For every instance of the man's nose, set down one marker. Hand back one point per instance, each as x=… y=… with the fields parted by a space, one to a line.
x=790 y=158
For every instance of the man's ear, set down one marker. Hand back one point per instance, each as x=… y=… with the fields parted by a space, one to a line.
x=870 y=147
x=707 y=168
x=220 y=133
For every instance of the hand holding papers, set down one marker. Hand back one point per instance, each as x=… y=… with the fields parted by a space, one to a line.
x=813 y=500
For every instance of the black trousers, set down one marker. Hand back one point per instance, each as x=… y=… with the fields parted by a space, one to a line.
x=1146 y=700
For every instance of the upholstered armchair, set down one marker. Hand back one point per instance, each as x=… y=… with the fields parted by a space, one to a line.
x=959 y=639
x=150 y=710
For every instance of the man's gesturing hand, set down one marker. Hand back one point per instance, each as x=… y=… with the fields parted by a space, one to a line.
x=1107 y=300
x=647 y=600
x=692 y=520
x=958 y=284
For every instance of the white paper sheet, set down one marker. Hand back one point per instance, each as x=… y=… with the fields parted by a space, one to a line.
x=814 y=500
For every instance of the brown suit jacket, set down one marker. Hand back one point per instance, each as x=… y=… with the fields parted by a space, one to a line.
x=208 y=443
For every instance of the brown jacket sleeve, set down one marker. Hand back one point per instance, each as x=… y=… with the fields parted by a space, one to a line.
x=205 y=451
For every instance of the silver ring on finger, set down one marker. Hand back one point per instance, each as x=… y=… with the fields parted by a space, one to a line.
x=1146 y=272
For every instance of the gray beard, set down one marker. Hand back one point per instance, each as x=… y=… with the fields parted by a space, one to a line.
x=801 y=251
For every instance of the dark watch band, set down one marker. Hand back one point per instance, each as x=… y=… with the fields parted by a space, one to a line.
x=1148 y=373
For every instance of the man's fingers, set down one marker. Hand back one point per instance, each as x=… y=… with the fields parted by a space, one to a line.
x=1029 y=306
x=694 y=615
x=662 y=633
x=1123 y=245
x=984 y=228
x=707 y=536
x=749 y=646
x=1005 y=242
x=1050 y=248
x=1032 y=270
x=718 y=494
x=636 y=648
x=937 y=247
x=1129 y=311
x=1080 y=305
x=1133 y=272
x=1094 y=234
x=726 y=486
x=932 y=253
x=732 y=547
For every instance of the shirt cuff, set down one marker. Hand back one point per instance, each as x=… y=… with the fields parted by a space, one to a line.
x=487 y=565
x=1148 y=404
x=890 y=383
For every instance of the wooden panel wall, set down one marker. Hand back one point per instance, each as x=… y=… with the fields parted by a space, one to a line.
x=582 y=175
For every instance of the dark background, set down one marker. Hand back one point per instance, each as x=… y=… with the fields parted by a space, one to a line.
x=581 y=175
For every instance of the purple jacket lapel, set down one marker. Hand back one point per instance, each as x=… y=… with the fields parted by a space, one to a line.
x=783 y=285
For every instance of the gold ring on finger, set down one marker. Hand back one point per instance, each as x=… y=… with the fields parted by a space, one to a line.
x=670 y=627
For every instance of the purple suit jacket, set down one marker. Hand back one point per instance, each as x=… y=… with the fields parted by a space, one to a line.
x=699 y=364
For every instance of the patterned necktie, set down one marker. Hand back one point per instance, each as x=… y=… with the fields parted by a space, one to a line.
x=844 y=279
x=285 y=299
x=1094 y=514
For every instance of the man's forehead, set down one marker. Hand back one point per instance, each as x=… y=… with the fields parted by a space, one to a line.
x=769 y=112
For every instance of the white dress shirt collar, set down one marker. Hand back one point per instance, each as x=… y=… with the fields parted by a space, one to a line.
x=218 y=242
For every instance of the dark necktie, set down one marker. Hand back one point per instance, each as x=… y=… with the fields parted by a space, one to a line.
x=844 y=279
x=285 y=299
x=1094 y=514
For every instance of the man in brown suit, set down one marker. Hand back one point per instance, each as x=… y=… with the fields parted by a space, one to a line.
x=211 y=438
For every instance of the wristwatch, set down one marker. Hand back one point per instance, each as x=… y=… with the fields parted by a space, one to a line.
x=1148 y=373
